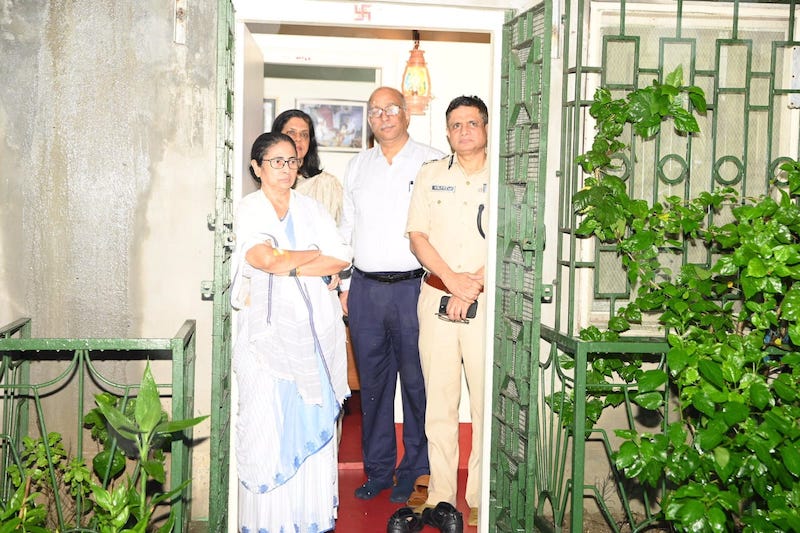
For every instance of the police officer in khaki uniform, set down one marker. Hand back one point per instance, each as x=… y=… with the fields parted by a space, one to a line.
x=446 y=222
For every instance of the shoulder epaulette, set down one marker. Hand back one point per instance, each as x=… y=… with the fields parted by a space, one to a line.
x=435 y=160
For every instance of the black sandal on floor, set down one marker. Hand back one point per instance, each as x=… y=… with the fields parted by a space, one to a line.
x=404 y=520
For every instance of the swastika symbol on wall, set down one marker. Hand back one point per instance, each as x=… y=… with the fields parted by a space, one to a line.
x=362 y=12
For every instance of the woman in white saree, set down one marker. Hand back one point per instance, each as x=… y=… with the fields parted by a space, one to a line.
x=289 y=355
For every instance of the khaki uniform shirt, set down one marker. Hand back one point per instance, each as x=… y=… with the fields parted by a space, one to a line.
x=449 y=206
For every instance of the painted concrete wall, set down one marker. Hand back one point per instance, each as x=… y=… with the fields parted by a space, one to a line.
x=107 y=137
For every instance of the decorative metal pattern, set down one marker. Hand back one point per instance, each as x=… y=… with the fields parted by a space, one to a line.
x=740 y=54
x=71 y=362
x=222 y=223
x=526 y=70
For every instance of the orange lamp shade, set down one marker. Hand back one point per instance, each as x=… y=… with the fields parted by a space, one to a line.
x=416 y=82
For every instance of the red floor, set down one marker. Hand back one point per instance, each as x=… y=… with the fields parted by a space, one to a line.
x=370 y=516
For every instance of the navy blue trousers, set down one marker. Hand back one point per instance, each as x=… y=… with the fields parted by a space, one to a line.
x=384 y=331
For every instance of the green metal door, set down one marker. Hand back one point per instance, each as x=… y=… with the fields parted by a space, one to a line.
x=549 y=471
x=222 y=224
x=742 y=56
x=520 y=242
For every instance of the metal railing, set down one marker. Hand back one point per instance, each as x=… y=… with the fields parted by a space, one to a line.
x=39 y=374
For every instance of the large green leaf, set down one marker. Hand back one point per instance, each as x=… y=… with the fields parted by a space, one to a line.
x=107 y=463
x=785 y=387
x=148 y=404
x=717 y=520
x=121 y=423
x=760 y=395
x=711 y=372
x=651 y=380
x=790 y=308
x=791 y=458
x=685 y=121
x=155 y=469
x=710 y=437
x=674 y=78
x=649 y=400
x=734 y=412
x=692 y=512
x=174 y=426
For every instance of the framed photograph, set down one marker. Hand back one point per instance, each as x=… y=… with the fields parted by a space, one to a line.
x=340 y=125
x=269 y=113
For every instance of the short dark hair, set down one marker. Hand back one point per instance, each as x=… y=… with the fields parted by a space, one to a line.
x=468 y=101
x=263 y=143
x=311 y=163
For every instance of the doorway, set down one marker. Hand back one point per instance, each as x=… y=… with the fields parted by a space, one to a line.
x=463 y=51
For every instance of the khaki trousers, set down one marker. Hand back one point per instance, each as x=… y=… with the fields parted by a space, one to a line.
x=444 y=348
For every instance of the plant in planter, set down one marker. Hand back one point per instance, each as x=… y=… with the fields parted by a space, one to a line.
x=130 y=506
x=133 y=438
x=732 y=458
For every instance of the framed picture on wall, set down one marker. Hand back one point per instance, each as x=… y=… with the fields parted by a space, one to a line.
x=340 y=125
x=269 y=113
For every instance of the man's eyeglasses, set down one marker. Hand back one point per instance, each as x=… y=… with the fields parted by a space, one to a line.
x=458 y=126
x=278 y=162
x=390 y=110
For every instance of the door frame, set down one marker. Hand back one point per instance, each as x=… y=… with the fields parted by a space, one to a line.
x=383 y=16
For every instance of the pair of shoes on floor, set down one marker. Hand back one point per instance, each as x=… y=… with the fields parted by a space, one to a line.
x=472 y=519
x=404 y=520
x=402 y=490
x=371 y=488
x=444 y=517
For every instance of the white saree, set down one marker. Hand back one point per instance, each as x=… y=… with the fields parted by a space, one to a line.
x=291 y=368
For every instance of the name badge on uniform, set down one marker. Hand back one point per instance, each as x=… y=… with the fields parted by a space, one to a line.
x=443 y=188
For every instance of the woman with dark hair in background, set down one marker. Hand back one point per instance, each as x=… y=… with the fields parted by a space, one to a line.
x=311 y=179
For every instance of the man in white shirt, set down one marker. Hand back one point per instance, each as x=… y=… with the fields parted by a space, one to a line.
x=380 y=298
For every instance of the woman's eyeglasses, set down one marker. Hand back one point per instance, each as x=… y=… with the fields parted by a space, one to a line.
x=278 y=162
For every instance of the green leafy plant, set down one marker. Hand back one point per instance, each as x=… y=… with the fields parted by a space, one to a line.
x=133 y=434
x=129 y=507
x=21 y=514
x=732 y=458
x=32 y=473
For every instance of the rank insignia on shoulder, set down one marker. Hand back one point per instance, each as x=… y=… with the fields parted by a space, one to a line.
x=434 y=160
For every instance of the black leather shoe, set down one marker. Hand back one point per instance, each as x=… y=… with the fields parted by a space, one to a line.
x=404 y=520
x=444 y=517
x=371 y=488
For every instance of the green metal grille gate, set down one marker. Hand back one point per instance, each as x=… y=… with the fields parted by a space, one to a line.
x=520 y=241
x=742 y=55
x=221 y=222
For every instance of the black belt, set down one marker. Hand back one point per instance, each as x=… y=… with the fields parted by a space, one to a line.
x=391 y=277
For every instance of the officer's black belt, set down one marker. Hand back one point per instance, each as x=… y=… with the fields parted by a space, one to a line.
x=392 y=277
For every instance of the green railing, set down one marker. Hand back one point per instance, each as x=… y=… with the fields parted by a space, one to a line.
x=566 y=440
x=43 y=375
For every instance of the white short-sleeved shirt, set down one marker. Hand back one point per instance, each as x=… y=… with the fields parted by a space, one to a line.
x=375 y=206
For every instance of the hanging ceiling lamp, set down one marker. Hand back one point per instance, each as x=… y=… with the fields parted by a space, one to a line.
x=416 y=80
